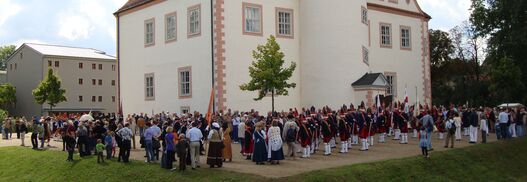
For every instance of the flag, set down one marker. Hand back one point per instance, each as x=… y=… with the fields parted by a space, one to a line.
x=406 y=106
x=208 y=116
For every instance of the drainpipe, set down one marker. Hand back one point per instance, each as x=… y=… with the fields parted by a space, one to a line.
x=212 y=49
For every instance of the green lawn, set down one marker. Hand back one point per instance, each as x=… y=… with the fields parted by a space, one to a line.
x=500 y=161
x=24 y=164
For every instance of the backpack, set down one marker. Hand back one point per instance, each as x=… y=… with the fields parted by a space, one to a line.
x=291 y=135
x=452 y=128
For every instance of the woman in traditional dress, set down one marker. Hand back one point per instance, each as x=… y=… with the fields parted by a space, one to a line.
x=275 y=152
x=260 y=147
x=214 y=157
x=227 y=151
x=249 y=142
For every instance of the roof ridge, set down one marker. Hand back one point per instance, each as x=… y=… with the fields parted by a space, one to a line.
x=54 y=45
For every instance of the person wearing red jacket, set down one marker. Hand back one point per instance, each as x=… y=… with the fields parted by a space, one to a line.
x=304 y=138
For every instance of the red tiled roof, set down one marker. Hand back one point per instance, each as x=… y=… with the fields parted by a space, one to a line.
x=132 y=4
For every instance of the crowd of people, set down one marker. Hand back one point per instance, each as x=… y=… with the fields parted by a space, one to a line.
x=169 y=137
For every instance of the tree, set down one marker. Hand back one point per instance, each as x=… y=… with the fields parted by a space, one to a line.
x=49 y=91
x=5 y=52
x=504 y=23
x=7 y=95
x=267 y=73
x=440 y=47
x=506 y=78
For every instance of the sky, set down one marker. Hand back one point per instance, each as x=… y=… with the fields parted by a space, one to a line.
x=90 y=23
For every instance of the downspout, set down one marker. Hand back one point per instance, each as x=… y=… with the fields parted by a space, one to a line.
x=119 y=104
x=212 y=50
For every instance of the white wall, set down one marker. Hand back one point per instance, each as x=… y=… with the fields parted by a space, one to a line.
x=332 y=36
x=239 y=49
x=69 y=74
x=407 y=64
x=164 y=59
x=25 y=78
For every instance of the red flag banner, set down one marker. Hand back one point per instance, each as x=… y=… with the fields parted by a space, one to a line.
x=208 y=117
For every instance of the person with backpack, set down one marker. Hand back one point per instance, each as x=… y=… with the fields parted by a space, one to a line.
x=428 y=123
x=290 y=135
x=451 y=128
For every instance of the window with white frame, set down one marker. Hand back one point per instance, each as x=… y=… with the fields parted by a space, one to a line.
x=170 y=27
x=405 y=37
x=365 y=55
x=285 y=22
x=185 y=82
x=149 y=32
x=194 y=20
x=392 y=84
x=253 y=18
x=364 y=15
x=149 y=86
x=386 y=35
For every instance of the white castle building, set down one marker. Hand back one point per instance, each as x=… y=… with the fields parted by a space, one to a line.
x=172 y=52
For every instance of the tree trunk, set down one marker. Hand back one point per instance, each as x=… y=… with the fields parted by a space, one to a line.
x=272 y=101
x=50 y=110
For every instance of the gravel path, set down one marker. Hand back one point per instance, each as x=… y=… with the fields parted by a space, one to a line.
x=380 y=151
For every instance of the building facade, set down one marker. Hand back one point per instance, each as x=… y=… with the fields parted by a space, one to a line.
x=89 y=77
x=3 y=77
x=172 y=53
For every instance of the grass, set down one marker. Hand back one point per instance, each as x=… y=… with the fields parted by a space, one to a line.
x=499 y=161
x=24 y=164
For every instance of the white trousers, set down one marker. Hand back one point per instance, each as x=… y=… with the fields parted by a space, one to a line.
x=22 y=137
x=512 y=130
x=327 y=148
x=382 y=137
x=458 y=133
x=473 y=133
x=355 y=139
x=332 y=143
x=344 y=147
x=364 y=144
x=415 y=133
x=397 y=134
x=466 y=131
x=404 y=138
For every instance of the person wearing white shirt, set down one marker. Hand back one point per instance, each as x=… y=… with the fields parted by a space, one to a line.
x=503 y=118
x=484 y=127
x=235 y=122
x=194 y=135
x=457 y=121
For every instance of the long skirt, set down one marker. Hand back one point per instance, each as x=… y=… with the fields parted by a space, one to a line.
x=214 y=156
x=260 y=152
x=277 y=155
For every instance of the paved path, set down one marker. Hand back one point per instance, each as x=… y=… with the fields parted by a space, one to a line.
x=380 y=151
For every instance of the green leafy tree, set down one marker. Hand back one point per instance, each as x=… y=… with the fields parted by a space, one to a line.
x=506 y=78
x=49 y=91
x=267 y=72
x=441 y=47
x=504 y=23
x=3 y=115
x=5 y=52
x=7 y=95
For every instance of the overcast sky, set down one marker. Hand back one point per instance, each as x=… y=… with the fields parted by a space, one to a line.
x=90 y=23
